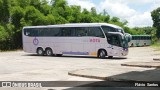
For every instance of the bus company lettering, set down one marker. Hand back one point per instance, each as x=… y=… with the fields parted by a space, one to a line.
x=94 y=40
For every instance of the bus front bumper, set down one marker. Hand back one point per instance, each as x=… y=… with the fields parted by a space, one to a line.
x=124 y=52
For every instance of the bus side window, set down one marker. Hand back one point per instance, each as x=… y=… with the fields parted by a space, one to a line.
x=41 y=32
x=81 y=31
x=107 y=29
x=142 y=37
x=95 y=31
x=113 y=40
x=73 y=31
x=133 y=37
x=34 y=32
x=116 y=41
x=149 y=38
x=136 y=38
x=65 y=31
x=30 y=32
x=56 y=31
x=49 y=32
x=91 y=31
x=109 y=39
x=145 y=37
x=26 y=32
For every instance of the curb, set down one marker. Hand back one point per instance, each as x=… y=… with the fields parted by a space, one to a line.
x=146 y=75
x=143 y=66
x=98 y=77
x=156 y=59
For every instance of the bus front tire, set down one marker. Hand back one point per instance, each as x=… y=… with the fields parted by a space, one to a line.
x=102 y=54
x=40 y=52
x=49 y=52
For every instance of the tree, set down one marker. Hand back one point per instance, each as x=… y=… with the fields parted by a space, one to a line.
x=156 y=20
x=17 y=13
x=59 y=3
x=4 y=10
x=3 y=34
x=50 y=19
x=36 y=4
x=115 y=19
x=61 y=20
x=76 y=13
x=45 y=9
x=93 y=11
x=23 y=3
x=104 y=12
x=103 y=18
x=33 y=16
x=86 y=17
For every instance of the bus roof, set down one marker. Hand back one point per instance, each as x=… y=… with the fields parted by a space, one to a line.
x=76 y=25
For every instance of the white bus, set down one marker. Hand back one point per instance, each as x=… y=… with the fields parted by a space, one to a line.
x=140 y=40
x=93 y=39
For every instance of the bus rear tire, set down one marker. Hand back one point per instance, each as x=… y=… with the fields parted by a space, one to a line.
x=102 y=54
x=40 y=52
x=49 y=52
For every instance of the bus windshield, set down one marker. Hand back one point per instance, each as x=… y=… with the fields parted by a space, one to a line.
x=125 y=42
x=114 y=39
x=107 y=29
x=117 y=39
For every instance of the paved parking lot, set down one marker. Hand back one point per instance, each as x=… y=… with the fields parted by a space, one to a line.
x=21 y=66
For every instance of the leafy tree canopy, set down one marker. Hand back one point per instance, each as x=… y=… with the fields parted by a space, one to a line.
x=15 y=14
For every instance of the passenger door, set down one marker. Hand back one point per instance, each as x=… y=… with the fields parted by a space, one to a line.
x=93 y=40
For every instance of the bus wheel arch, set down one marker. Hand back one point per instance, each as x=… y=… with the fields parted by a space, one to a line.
x=48 y=51
x=40 y=51
x=101 y=53
x=132 y=45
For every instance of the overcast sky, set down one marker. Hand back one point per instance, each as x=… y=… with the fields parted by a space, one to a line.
x=136 y=12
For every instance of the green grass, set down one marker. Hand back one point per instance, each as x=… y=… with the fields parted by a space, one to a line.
x=156 y=45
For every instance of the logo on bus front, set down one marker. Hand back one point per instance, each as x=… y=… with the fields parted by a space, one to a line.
x=35 y=41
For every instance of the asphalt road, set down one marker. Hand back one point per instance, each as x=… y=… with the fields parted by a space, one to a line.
x=21 y=66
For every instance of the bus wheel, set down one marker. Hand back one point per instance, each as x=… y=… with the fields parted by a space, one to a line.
x=110 y=57
x=49 y=52
x=132 y=45
x=102 y=54
x=40 y=52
